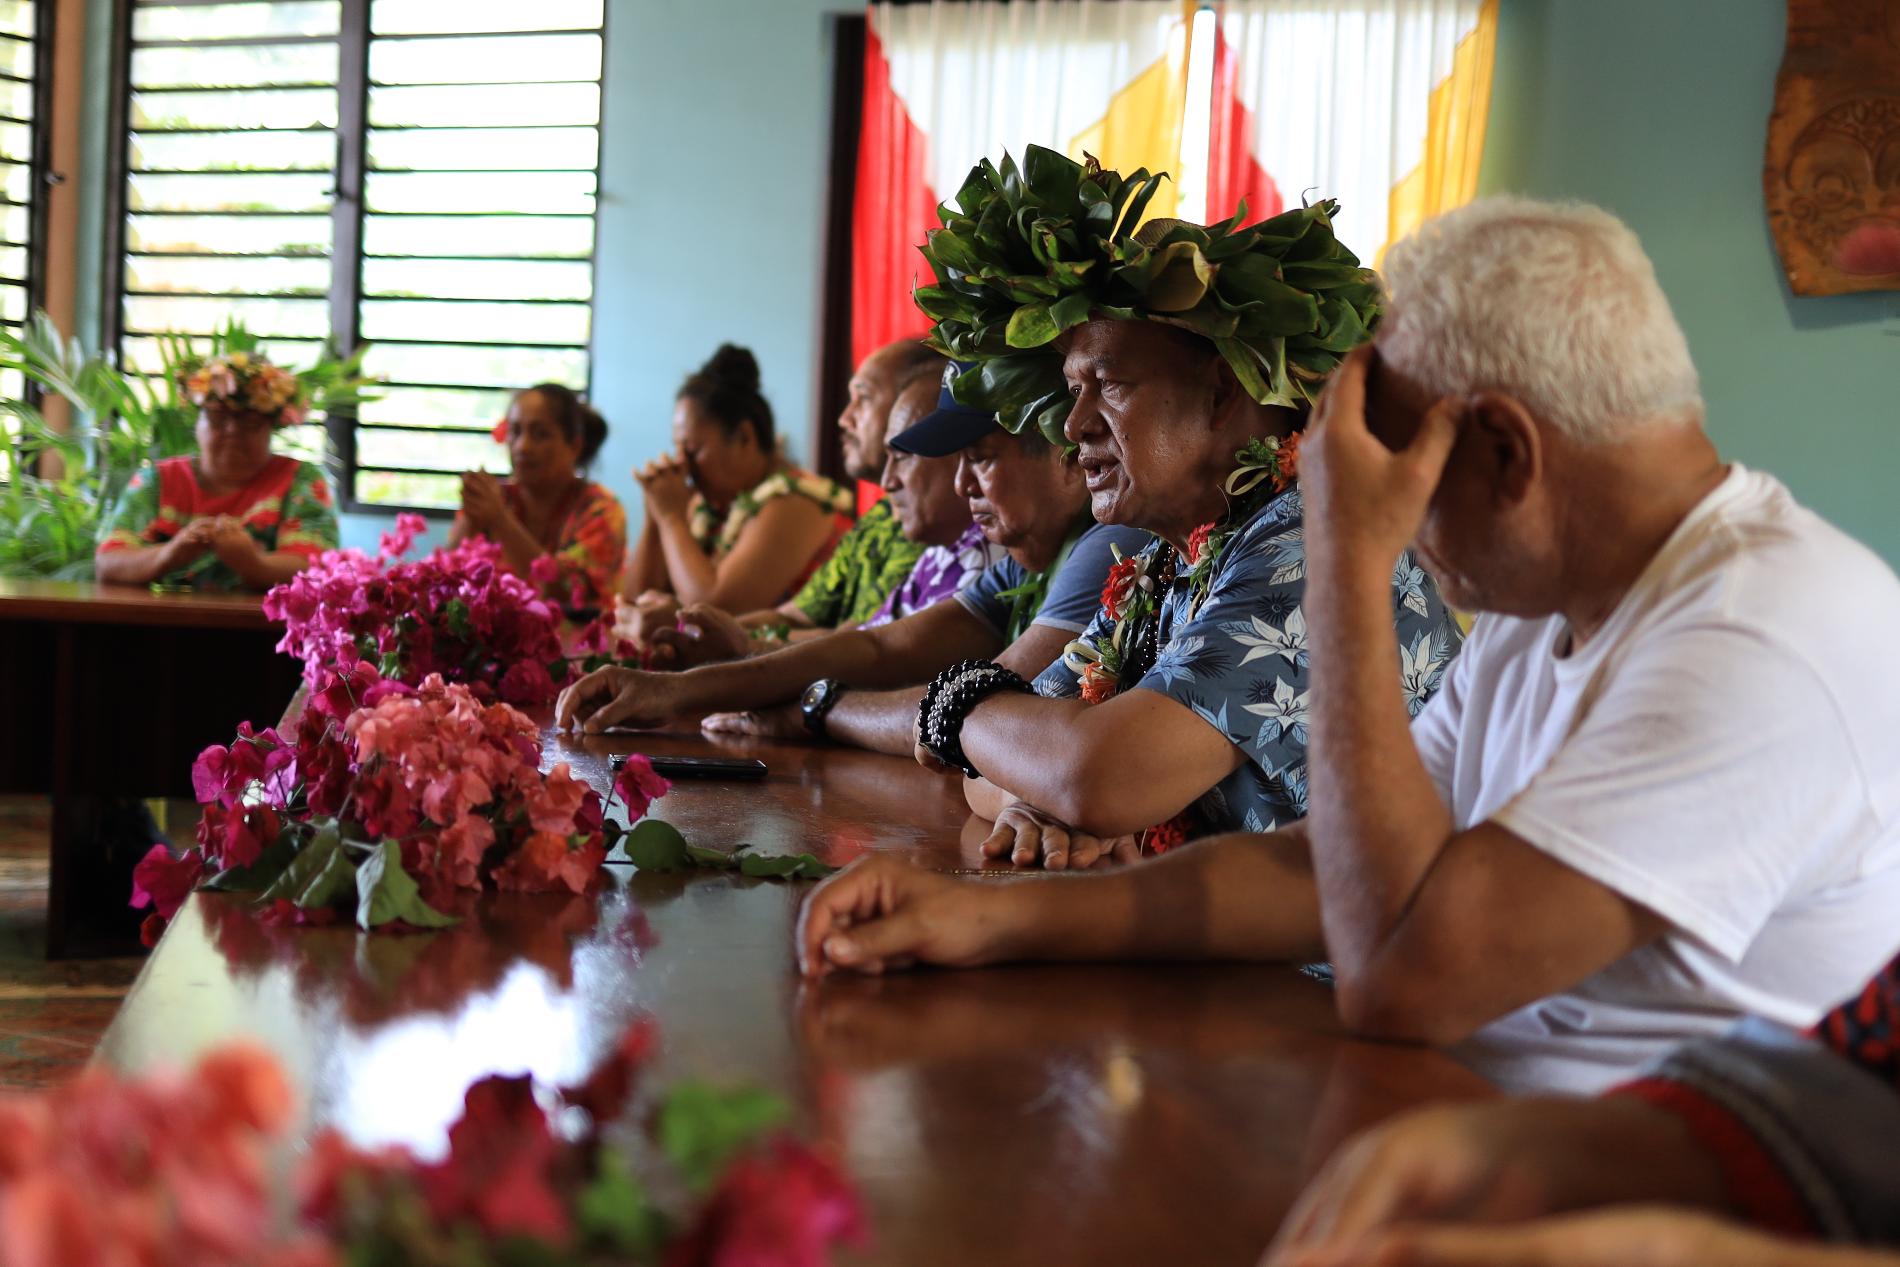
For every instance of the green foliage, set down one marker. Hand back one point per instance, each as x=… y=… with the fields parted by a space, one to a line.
x=652 y=845
x=386 y=892
x=49 y=526
x=700 y=1127
x=1027 y=253
x=615 y=1212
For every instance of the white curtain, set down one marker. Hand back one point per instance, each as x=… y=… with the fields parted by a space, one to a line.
x=1342 y=96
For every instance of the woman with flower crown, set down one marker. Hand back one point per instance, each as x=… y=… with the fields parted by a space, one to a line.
x=729 y=522
x=234 y=515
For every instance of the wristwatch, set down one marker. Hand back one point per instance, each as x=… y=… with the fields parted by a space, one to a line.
x=817 y=702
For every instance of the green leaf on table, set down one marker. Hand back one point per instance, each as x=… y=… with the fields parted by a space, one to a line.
x=385 y=892
x=718 y=859
x=652 y=845
x=700 y=1127
x=784 y=866
x=615 y=1212
x=317 y=876
x=261 y=874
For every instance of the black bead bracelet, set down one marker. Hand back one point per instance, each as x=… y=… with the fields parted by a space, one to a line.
x=950 y=698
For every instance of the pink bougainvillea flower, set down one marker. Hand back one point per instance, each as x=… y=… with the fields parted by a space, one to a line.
x=545 y=571
x=638 y=786
x=783 y=1206
x=248 y=1086
x=553 y=805
x=163 y=882
x=208 y=776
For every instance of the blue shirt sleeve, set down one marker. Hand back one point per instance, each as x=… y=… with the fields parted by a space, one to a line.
x=1075 y=593
x=979 y=597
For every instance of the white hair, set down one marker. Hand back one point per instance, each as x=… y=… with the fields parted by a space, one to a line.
x=1553 y=303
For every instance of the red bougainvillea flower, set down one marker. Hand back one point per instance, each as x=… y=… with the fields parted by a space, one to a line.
x=496 y=1172
x=1288 y=468
x=1120 y=586
x=605 y=1092
x=1197 y=542
x=1164 y=836
x=1098 y=683
x=526 y=683
x=235 y=837
x=784 y=1206
x=638 y=786
x=163 y=881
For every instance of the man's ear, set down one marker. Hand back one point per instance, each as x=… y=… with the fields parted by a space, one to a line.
x=1228 y=396
x=1504 y=438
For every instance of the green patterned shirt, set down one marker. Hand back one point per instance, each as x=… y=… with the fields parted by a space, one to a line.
x=871 y=560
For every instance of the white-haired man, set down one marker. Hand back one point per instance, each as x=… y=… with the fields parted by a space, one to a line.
x=1661 y=786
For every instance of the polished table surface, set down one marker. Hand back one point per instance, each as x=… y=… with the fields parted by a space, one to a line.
x=93 y=602
x=1111 y=1114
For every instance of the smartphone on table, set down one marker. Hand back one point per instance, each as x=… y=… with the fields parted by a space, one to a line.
x=747 y=768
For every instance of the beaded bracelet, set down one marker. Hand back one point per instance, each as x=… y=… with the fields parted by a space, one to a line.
x=949 y=700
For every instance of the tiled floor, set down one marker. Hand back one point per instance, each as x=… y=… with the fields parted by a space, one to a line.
x=51 y=1014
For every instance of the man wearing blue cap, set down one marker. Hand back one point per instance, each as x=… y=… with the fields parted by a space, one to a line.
x=861 y=686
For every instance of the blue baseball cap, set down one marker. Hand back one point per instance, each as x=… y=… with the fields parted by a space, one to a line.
x=950 y=427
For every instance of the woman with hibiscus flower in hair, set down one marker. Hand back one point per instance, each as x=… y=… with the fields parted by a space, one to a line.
x=234 y=515
x=549 y=510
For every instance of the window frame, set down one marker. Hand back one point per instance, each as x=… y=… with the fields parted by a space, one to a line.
x=350 y=173
x=39 y=164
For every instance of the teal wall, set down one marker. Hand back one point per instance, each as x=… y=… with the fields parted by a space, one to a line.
x=713 y=172
x=1658 y=110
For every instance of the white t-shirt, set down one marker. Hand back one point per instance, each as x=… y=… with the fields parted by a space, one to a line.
x=1725 y=751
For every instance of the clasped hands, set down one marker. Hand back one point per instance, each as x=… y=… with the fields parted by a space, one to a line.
x=665 y=484
x=223 y=535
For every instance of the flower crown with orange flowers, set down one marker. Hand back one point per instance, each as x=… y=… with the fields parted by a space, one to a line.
x=245 y=381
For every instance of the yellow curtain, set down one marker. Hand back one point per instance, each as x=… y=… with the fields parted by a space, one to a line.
x=1447 y=174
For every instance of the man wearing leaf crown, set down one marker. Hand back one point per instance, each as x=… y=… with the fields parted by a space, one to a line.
x=1660 y=788
x=1180 y=362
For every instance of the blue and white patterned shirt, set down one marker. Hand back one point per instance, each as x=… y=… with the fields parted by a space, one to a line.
x=1241 y=663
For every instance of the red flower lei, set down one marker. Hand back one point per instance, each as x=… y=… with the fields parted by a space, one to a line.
x=1119 y=586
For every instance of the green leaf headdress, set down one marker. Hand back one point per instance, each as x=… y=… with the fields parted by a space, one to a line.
x=1028 y=252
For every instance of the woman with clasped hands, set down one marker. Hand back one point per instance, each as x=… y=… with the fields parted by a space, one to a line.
x=234 y=515
x=549 y=509
x=729 y=522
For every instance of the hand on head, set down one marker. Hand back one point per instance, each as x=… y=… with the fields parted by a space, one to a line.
x=1029 y=837
x=880 y=915
x=1364 y=500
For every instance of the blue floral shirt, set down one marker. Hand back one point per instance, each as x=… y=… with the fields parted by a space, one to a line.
x=1241 y=663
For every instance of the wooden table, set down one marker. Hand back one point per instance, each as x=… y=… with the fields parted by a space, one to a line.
x=109 y=692
x=1100 y=1115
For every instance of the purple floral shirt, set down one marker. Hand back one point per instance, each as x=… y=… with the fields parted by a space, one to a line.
x=940 y=572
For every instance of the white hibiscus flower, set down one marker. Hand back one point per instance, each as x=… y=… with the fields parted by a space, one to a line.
x=1261 y=638
x=1284 y=715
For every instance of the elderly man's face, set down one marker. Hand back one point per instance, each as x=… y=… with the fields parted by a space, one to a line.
x=1009 y=488
x=1488 y=546
x=867 y=410
x=1143 y=397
